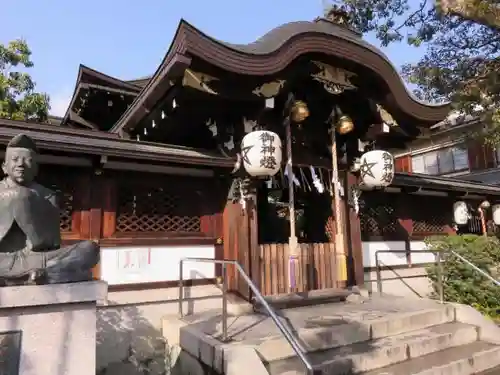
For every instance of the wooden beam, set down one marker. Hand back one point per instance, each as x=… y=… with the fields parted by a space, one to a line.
x=109 y=89
x=154 y=90
x=79 y=119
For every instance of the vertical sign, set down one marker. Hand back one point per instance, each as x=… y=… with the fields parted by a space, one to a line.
x=133 y=261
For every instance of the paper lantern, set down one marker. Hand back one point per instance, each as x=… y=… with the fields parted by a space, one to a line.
x=376 y=168
x=496 y=213
x=460 y=213
x=261 y=153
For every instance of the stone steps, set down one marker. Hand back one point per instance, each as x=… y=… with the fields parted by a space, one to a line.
x=373 y=354
x=379 y=336
x=292 y=300
x=349 y=333
x=474 y=358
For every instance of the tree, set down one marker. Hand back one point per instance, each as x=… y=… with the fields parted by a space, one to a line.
x=18 y=99
x=462 y=50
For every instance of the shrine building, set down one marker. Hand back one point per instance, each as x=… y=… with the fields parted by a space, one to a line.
x=258 y=153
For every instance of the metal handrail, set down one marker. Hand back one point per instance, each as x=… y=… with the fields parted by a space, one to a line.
x=285 y=331
x=438 y=263
x=476 y=268
x=440 y=275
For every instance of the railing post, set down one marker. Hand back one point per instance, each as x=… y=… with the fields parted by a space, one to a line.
x=378 y=272
x=181 y=288
x=224 y=302
x=289 y=336
x=440 y=276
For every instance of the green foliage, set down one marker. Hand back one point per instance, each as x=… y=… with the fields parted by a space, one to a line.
x=461 y=63
x=463 y=284
x=18 y=99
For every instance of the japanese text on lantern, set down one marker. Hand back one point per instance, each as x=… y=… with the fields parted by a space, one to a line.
x=388 y=168
x=267 y=151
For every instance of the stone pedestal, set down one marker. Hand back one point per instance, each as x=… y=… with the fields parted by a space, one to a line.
x=55 y=326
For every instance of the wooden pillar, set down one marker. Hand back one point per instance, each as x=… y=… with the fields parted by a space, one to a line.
x=253 y=239
x=237 y=245
x=355 y=269
x=97 y=198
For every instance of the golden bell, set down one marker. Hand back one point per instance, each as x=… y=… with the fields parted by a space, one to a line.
x=344 y=125
x=299 y=111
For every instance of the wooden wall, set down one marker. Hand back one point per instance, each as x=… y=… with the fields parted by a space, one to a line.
x=403 y=164
x=481 y=156
x=403 y=217
x=120 y=209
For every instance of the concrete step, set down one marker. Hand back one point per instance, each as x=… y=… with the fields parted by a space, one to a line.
x=373 y=354
x=332 y=335
x=474 y=358
x=311 y=298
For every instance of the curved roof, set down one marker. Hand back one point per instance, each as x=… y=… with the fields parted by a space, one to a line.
x=87 y=76
x=274 y=51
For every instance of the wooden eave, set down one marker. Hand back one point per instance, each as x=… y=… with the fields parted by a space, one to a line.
x=140 y=82
x=90 y=78
x=273 y=53
x=107 y=144
x=402 y=179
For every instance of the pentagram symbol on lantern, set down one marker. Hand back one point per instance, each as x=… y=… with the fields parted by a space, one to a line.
x=366 y=169
x=244 y=154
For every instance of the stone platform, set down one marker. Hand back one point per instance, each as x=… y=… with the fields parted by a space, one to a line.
x=380 y=335
x=53 y=328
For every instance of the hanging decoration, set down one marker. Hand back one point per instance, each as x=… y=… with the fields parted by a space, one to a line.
x=334 y=80
x=299 y=111
x=461 y=213
x=261 y=153
x=318 y=184
x=344 y=125
x=483 y=207
x=376 y=168
x=496 y=213
x=355 y=195
x=290 y=175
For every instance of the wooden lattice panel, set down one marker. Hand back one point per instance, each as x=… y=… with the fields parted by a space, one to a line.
x=377 y=215
x=147 y=208
x=430 y=215
x=63 y=184
x=431 y=224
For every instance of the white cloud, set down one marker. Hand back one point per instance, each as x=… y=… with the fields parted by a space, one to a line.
x=60 y=102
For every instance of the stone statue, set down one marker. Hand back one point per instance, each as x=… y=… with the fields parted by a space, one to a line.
x=30 y=237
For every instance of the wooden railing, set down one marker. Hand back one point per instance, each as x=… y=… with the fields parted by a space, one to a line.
x=318 y=268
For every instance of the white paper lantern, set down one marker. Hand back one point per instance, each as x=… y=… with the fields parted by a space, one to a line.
x=460 y=213
x=261 y=153
x=377 y=168
x=496 y=213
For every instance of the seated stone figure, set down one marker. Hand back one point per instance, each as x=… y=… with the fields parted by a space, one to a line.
x=30 y=237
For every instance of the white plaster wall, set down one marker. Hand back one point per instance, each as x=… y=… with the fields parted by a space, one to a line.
x=408 y=277
x=394 y=259
x=141 y=264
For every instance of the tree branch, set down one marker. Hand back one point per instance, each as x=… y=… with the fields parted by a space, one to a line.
x=485 y=12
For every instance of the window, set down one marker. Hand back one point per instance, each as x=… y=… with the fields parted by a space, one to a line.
x=448 y=160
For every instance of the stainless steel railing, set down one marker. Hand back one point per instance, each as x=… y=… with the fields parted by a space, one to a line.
x=285 y=331
x=439 y=263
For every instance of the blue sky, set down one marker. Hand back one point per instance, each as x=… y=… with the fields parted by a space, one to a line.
x=127 y=39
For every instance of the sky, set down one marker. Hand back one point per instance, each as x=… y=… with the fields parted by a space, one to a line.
x=128 y=39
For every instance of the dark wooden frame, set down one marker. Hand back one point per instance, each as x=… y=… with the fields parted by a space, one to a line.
x=273 y=53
